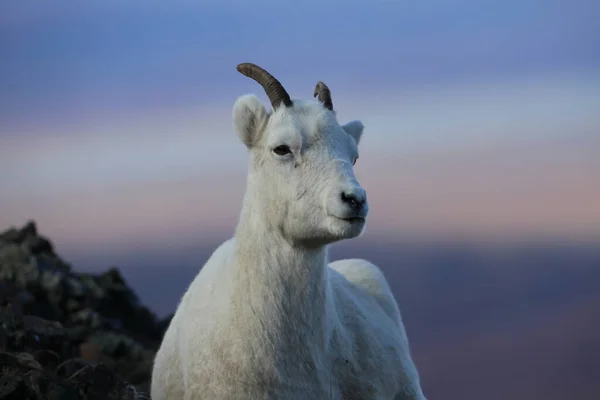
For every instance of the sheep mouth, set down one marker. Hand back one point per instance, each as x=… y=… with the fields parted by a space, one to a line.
x=352 y=220
x=355 y=219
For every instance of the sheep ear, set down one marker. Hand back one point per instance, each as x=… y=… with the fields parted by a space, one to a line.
x=249 y=118
x=354 y=129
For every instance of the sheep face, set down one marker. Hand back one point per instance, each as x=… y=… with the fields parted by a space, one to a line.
x=301 y=175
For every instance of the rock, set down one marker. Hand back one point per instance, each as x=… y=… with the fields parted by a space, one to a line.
x=101 y=383
x=67 y=335
x=163 y=324
x=47 y=358
x=90 y=351
x=18 y=235
x=69 y=367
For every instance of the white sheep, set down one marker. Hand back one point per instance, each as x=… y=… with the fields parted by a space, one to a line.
x=267 y=317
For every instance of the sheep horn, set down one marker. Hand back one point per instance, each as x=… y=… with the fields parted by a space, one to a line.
x=324 y=95
x=273 y=88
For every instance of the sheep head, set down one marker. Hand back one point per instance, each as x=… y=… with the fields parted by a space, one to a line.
x=301 y=175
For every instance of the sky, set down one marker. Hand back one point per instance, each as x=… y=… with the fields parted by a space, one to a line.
x=482 y=117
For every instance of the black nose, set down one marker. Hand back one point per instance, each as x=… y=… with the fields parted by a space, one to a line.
x=353 y=201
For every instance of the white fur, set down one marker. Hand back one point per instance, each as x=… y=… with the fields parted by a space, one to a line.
x=267 y=317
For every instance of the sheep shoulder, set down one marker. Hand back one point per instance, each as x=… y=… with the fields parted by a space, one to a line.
x=372 y=341
x=367 y=279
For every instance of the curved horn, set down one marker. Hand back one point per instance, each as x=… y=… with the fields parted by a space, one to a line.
x=273 y=88
x=324 y=95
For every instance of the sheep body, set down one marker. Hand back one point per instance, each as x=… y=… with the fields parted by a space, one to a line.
x=203 y=357
x=267 y=317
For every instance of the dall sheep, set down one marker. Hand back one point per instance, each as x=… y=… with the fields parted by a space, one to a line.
x=267 y=317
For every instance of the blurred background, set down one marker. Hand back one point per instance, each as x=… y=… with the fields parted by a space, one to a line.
x=481 y=156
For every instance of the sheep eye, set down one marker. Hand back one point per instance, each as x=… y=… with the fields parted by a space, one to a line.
x=282 y=150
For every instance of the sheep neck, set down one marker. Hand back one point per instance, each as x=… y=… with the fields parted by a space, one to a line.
x=281 y=288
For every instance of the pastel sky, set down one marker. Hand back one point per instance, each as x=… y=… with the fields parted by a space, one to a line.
x=482 y=116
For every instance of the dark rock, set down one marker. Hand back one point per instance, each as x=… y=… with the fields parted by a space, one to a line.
x=47 y=358
x=163 y=324
x=69 y=367
x=101 y=383
x=38 y=245
x=67 y=335
x=18 y=235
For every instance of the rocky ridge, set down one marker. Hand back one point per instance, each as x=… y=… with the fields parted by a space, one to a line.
x=68 y=335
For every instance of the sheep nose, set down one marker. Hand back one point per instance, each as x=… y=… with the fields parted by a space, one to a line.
x=354 y=198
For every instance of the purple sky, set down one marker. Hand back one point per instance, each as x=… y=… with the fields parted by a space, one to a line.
x=482 y=117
